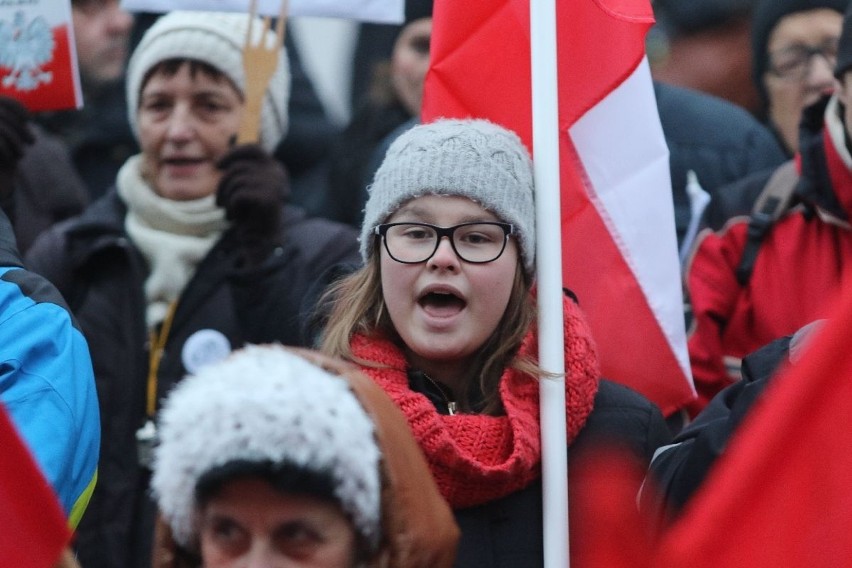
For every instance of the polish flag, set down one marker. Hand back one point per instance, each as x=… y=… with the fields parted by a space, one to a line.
x=619 y=248
x=779 y=495
x=33 y=528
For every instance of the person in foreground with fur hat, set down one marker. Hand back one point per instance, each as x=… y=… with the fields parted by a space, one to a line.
x=278 y=457
x=442 y=317
x=192 y=254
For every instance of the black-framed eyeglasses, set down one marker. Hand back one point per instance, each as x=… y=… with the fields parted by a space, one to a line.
x=792 y=63
x=413 y=243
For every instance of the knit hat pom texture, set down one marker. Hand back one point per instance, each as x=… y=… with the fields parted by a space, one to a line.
x=265 y=404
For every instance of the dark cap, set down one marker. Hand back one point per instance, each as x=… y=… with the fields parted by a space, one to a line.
x=844 y=50
x=417 y=9
x=767 y=14
x=684 y=17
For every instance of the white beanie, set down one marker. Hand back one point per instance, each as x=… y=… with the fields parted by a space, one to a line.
x=476 y=159
x=217 y=39
x=266 y=405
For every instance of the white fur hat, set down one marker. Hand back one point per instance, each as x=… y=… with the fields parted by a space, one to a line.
x=215 y=38
x=265 y=404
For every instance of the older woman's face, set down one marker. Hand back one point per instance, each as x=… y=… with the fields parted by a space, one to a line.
x=251 y=524
x=186 y=122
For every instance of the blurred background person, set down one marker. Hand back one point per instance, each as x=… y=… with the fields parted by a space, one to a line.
x=794 y=49
x=39 y=185
x=98 y=135
x=392 y=102
x=704 y=46
x=764 y=277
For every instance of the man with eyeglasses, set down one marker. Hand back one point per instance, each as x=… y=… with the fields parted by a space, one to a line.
x=794 y=49
x=765 y=276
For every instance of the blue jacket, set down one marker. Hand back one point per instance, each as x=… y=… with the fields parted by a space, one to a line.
x=46 y=379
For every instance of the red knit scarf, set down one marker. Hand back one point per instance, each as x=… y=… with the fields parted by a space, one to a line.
x=476 y=458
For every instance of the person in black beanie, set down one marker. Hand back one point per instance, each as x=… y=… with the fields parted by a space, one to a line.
x=761 y=278
x=794 y=46
x=393 y=100
x=192 y=254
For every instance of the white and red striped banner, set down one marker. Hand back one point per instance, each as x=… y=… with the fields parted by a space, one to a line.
x=619 y=248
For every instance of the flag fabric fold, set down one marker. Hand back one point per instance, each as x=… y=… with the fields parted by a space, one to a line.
x=778 y=496
x=33 y=528
x=618 y=237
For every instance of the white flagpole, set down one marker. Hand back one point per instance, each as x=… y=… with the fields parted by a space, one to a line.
x=545 y=122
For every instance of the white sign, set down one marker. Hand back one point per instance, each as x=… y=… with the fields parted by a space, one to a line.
x=379 y=11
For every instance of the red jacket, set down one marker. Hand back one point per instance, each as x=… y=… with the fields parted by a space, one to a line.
x=800 y=266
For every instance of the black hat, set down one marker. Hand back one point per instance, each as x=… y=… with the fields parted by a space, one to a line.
x=417 y=9
x=844 y=50
x=767 y=14
x=683 y=17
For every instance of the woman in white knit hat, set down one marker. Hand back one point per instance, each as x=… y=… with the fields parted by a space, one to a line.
x=192 y=254
x=442 y=318
x=267 y=459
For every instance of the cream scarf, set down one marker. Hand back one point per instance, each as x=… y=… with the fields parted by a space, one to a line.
x=173 y=236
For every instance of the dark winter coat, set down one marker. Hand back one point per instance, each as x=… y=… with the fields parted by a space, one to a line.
x=718 y=140
x=507 y=532
x=680 y=469
x=97 y=268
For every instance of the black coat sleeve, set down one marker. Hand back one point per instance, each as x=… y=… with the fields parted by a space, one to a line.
x=678 y=470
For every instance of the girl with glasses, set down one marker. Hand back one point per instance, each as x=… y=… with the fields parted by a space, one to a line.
x=442 y=317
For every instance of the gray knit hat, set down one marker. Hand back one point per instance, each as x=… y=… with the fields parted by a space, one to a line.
x=476 y=159
x=215 y=38
x=264 y=404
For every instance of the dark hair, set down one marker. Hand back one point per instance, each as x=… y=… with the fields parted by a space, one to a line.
x=286 y=478
x=170 y=67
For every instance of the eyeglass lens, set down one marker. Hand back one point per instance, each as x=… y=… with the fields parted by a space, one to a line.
x=472 y=242
x=793 y=62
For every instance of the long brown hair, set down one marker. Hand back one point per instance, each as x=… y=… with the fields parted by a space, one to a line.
x=358 y=307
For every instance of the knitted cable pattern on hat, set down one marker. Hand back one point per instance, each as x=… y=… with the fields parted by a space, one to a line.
x=264 y=404
x=476 y=458
x=217 y=39
x=476 y=159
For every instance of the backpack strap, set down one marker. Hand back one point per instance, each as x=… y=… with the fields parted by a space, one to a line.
x=770 y=205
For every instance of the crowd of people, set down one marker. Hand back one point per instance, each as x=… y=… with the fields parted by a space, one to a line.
x=320 y=348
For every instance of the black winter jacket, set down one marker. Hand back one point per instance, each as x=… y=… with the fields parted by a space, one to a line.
x=507 y=532
x=93 y=263
x=718 y=140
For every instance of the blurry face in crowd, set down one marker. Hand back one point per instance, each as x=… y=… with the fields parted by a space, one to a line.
x=797 y=78
x=445 y=309
x=250 y=524
x=409 y=63
x=186 y=122
x=101 y=36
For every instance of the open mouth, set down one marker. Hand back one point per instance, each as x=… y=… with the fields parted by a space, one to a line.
x=441 y=304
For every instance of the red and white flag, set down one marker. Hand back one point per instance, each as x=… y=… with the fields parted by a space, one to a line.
x=618 y=236
x=33 y=528
x=38 y=63
x=780 y=494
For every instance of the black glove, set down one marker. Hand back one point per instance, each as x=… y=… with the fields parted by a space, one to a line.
x=15 y=136
x=252 y=191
